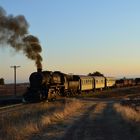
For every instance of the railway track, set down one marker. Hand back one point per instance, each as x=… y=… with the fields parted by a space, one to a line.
x=11 y=108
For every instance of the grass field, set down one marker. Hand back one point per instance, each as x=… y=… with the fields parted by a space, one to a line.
x=8 y=89
x=22 y=124
x=34 y=119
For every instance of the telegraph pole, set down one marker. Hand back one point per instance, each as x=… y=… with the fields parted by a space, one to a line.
x=15 y=67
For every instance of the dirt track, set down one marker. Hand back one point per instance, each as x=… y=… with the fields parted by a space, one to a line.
x=95 y=121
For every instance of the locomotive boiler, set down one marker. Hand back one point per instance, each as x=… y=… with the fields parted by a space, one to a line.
x=44 y=85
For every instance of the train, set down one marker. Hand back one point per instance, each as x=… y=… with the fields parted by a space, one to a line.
x=46 y=85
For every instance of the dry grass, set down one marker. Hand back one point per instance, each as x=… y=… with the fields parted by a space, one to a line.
x=127 y=112
x=8 y=89
x=130 y=117
x=97 y=113
x=100 y=107
x=68 y=110
x=21 y=125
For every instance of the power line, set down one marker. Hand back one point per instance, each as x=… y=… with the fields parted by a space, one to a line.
x=15 y=67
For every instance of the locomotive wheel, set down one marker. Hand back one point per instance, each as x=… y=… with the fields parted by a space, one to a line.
x=58 y=92
x=27 y=97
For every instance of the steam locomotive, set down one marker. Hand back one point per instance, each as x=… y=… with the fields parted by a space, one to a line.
x=46 y=85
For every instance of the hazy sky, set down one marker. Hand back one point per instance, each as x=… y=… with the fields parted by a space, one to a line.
x=78 y=36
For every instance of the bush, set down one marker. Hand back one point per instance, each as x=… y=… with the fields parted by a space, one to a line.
x=1 y=81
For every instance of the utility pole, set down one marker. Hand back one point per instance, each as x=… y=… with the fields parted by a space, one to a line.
x=15 y=67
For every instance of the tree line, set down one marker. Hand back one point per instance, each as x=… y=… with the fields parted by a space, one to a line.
x=97 y=73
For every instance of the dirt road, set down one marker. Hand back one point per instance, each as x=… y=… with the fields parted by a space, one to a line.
x=97 y=120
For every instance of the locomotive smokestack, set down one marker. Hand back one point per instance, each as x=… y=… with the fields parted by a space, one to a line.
x=14 y=33
x=39 y=69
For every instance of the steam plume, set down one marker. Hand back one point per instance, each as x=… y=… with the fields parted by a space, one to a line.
x=14 y=31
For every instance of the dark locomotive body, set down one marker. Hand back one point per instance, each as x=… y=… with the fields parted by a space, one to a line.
x=44 y=85
x=47 y=85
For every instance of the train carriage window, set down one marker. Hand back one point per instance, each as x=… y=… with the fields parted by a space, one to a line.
x=83 y=81
x=89 y=81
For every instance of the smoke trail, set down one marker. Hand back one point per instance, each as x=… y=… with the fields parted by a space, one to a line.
x=14 y=31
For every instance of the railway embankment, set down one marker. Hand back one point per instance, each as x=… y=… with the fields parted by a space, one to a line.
x=116 y=93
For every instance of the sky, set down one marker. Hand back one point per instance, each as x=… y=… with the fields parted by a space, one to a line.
x=77 y=36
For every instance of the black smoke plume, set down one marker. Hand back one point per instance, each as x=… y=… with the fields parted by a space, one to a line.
x=14 y=32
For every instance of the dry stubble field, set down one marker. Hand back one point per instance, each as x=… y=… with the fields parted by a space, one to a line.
x=84 y=118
